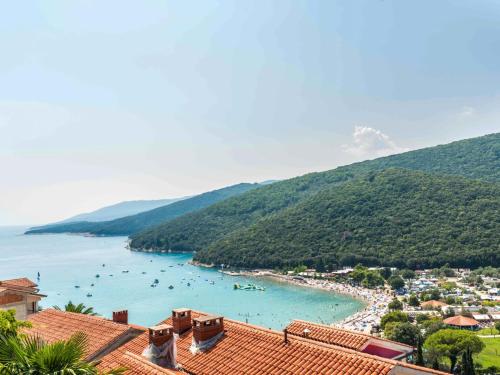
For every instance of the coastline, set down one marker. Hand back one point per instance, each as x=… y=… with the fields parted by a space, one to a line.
x=375 y=300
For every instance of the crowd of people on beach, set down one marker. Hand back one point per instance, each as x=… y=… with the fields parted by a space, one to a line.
x=376 y=299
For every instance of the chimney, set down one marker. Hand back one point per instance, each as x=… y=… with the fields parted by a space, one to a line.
x=207 y=327
x=120 y=316
x=159 y=335
x=285 y=333
x=181 y=320
x=306 y=332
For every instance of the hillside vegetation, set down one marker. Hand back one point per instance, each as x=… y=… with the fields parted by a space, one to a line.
x=116 y=211
x=134 y=223
x=396 y=218
x=477 y=158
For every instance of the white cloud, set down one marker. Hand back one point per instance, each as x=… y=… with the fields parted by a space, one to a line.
x=371 y=143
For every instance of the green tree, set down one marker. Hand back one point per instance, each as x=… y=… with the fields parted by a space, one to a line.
x=395 y=304
x=80 y=308
x=408 y=274
x=431 y=326
x=420 y=318
x=9 y=325
x=452 y=343
x=358 y=274
x=394 y=316
x=467 y=362
x=419 y=360
x=25 y=354
x=434 y=294
x=413 y=301
x=372 y=279
x=396 y=282
x=405 y=332
x=385 y=273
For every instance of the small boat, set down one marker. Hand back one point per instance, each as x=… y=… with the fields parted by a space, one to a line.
x=103 y=265
x=170 y=287
x=156 y=281
x=77 y=286
x=125 y=271
x=249 y=287
x=188 y=284
x=162 y=270
x=111 y=274
x=143 y=272
x=212 y=282
x=89 y=295
x=97 y=276
x=92 y=284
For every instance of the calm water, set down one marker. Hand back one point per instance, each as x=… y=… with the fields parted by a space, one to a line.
x=68 y=260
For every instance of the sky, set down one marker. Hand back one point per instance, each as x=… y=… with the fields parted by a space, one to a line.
x=106 y=101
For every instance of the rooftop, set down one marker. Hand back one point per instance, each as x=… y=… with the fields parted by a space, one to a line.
x=461 y=321
x=22 y=282
x=328 y=335
x=139 y=365
x=102 y=334
x=337 y=336
x=248 y=349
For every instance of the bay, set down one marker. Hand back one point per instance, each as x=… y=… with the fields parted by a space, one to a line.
x=125 y=278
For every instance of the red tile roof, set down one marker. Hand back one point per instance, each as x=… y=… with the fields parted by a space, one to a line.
x=138 y=365
x=247 y=349
x=328 y=335
x=102 y=334
x=334 y=336
x=23 y=282
x=461 y=321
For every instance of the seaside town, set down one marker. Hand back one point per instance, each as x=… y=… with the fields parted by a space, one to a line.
x=224 y=187
x=405 y=314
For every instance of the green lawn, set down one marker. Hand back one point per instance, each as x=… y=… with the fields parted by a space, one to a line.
x=488 y=331
x=490 y=356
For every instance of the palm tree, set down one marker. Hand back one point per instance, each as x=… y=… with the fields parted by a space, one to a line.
x=80 y=308
x=23 y=354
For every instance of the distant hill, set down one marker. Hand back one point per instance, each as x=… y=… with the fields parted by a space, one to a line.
x=395 y=217
x=477 y=158
x=118 y=210
x=131 y=224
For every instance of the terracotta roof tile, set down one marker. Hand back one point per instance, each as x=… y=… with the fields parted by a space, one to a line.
x=54 y=325
x=461 y=321
x=21 y=282
x=329 y=335
x=247 y=349
x=138 y=365
x=333 y=335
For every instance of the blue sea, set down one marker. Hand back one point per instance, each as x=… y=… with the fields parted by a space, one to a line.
x=65 y=261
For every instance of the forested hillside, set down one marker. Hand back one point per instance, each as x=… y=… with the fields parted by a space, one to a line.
x=393 y=218
x=477 y=158
x=116 y=211
x=134 y=223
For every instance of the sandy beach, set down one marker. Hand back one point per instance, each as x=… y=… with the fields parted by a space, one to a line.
x=376 y=300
